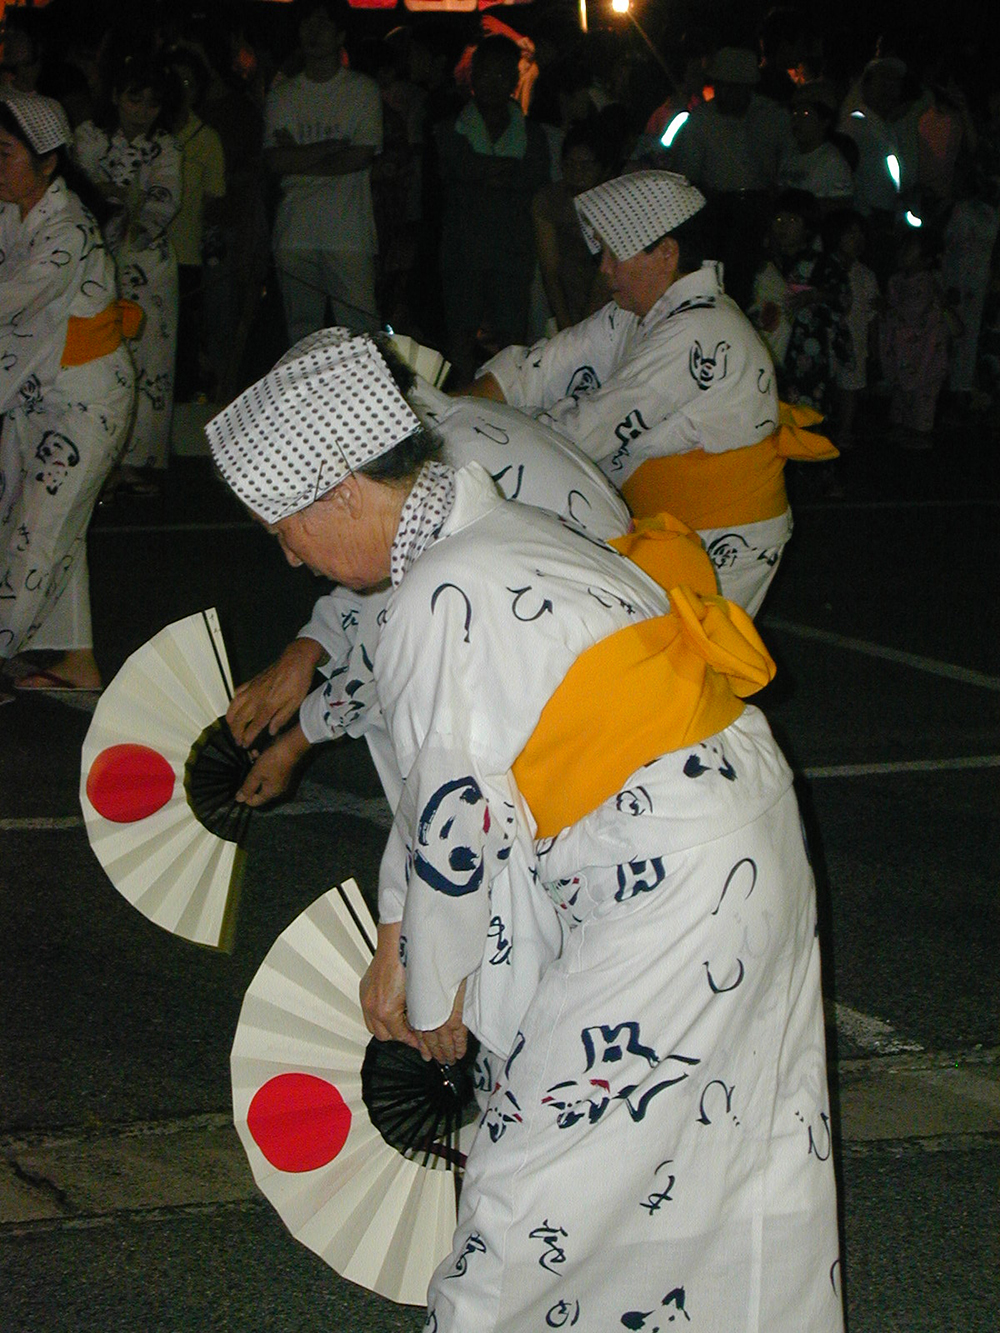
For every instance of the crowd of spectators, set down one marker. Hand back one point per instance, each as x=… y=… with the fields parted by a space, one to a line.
x=423 y=178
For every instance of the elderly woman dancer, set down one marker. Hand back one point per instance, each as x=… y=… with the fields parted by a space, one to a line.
x=66 y=393
x=656 y=1145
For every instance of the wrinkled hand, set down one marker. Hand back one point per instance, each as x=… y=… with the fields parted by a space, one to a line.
x=273 y=771
x=446 y=1044
x=383 y=991
x=272 y=698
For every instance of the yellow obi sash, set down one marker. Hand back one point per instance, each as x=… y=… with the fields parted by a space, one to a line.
x=670 y=553
x=665 y=683
x=738 y=486
x=89 y=339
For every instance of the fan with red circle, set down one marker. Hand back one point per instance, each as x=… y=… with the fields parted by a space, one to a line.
x=160 y=770
x=358 y=1144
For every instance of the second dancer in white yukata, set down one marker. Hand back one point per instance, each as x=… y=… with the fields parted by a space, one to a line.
x=668 y=387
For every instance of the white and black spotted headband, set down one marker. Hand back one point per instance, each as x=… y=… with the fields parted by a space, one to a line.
x=632 y=211
x=43 y=122
x=326 y=409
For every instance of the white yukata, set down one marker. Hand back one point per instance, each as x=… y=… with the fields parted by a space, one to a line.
x=530 y=463
x=63 y=427
x=147 y=270
x=692 y=374
x=656 y=1147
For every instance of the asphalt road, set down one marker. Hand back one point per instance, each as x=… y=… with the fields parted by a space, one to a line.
x=125 y=1203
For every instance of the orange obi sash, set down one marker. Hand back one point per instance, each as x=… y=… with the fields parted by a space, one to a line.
x=670 y=553
x=89 y=339
x=664 y=684
x=738 y=486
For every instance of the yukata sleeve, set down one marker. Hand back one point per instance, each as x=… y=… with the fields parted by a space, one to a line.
x=89 y=145
x=161 y=190
x=34 y=299
x=450 y=839
x=334 y=625
x=572 y=363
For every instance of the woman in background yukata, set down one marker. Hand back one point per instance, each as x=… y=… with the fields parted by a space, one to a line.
x=66 y=393
x=136 y=164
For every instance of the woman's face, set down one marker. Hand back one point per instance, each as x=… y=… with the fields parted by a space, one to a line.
x=138 y=109
x=22 y=180
x=339 y=537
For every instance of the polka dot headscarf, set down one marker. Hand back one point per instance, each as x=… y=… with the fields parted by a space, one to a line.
x=42 y=120
x=326 y=409
x=632 y=211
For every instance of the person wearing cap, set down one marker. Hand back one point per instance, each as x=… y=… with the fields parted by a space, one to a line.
x=66 y=393
x=732 y=148
x=617 y=901
x=816 y=163
x=669 y=389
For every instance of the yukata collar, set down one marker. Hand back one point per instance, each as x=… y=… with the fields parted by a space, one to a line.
x=702 y=287
x=422 y=517
x=512 y=143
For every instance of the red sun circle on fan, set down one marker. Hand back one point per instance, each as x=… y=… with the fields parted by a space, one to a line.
x=298 y=1121
x=127 y=783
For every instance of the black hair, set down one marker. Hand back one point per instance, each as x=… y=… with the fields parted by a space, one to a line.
x=182 y=57
x=835 y=226
x=693 y=245
x=404 y=460
x=136 y=73
x=496 y=50
x=800 y=202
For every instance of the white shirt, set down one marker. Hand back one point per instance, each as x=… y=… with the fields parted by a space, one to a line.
x=823 y=172
x=326 y=212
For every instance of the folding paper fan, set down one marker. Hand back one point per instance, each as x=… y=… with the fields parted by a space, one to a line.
x=160 y=769
x=355 y=1142
x=429 y=364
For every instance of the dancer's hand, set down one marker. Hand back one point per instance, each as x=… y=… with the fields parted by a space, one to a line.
x=446 y=1044
x=272 y=772
x=272 y=698
x=383 y=991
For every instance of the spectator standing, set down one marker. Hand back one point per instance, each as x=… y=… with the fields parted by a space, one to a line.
x=573 y=285
x=204 y=188
x=322 y=131
x=913 y=341
x=732 y=148
x=844 y=238
x=492 y=161
x=816 y=164
x=135 y=162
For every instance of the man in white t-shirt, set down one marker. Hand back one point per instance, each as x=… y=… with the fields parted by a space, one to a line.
x=322 y=130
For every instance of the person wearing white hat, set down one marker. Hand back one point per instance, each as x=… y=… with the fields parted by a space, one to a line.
x=668 y=388
x=528 y=461
x=66 y=393
x=616 y=900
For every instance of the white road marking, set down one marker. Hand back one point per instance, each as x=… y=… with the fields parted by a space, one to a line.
x=871 y=1034
x=903 y=766
x=928 y=664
